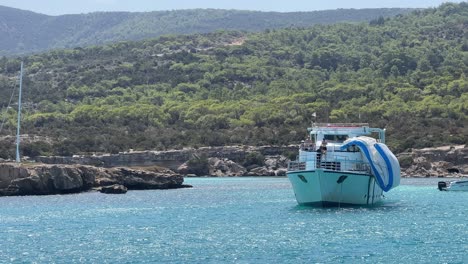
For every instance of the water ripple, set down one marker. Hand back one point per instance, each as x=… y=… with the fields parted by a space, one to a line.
x=234 y=220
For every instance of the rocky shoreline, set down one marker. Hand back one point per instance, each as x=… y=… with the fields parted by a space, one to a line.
x=224 y=161
x=442 y=162
x=41 y=179
x=73 y=176
x=445 y=161
x=228 y=161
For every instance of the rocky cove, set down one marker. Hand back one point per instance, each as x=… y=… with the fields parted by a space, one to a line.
x=115 y=173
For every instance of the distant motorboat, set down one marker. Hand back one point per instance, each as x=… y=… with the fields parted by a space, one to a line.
x=460 y=185
x=341 y=164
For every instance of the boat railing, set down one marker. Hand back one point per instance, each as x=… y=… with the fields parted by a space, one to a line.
x=338 y=163
x=296 y=166
x=340 y=124
x=353 y=165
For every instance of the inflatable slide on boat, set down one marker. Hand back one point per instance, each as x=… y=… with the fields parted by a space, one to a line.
x=384 y=165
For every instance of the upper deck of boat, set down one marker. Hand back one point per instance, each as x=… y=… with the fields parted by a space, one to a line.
x=339 y=127
x=321 y=130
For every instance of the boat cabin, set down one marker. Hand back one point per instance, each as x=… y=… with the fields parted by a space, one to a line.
x=322 y=148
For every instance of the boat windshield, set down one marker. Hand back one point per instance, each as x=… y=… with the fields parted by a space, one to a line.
x=335 y=138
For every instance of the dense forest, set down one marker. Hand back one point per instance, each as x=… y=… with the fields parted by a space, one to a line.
x=25 y=31
x=406 y=74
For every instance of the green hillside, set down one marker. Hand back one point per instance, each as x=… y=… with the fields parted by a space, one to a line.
x=24 y=31
x=407 y=74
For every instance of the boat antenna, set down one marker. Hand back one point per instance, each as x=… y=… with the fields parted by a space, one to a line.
x=328 y=114
x=18 y=160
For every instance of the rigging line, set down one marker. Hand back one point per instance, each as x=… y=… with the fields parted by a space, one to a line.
x=6 y=110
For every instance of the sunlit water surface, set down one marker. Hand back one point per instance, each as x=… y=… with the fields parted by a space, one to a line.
x=238 y=220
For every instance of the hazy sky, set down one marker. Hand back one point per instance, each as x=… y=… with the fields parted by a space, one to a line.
x=60 y=7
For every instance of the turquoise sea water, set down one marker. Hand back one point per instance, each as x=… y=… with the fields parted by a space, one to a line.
x=234 y=220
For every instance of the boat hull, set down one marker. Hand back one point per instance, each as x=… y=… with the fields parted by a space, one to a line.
x=334 y=188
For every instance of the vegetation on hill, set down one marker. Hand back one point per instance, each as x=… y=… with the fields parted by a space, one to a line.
x=24 y=31
x=407 y=74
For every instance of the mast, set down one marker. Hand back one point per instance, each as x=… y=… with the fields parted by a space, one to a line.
x=19 y=116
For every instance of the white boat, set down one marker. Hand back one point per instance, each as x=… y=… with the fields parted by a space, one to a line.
x=355 y=168
x=461 y=185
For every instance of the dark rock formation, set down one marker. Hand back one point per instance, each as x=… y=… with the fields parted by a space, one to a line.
x=60 y=179
x=114 y=189
x=448 y=161
x=40 y=180
x=138 y=179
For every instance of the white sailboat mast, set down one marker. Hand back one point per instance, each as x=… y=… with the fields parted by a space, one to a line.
x=19 y=116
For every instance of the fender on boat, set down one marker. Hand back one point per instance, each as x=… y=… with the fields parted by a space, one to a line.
x=385 y=166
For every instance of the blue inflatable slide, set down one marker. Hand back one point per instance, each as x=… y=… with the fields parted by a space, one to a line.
x=384 y=165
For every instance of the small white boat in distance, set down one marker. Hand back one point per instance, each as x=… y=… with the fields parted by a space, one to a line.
x=340 y=164
x=461 y=185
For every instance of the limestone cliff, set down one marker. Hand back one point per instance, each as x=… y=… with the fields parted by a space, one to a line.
x=170 y=158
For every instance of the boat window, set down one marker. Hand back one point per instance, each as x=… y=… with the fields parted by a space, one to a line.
x=336 y=138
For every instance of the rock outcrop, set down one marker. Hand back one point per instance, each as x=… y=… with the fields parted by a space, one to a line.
x=447 y=161
x=277 y=164
x=138 y=179
x=225 y=167
x=114 y=189
x=61 y=179
x=221 y=167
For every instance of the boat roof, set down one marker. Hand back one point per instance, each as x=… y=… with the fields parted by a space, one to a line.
x=346 y=125
x=338 y=127
x=351 y=129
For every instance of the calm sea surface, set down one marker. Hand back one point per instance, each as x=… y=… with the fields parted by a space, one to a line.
x=235 y=220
